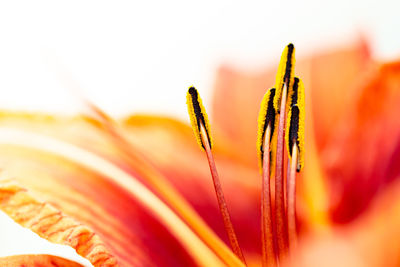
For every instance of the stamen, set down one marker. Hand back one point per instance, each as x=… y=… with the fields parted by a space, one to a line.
x=284 y=83
x=200 y=125
x=266 y=126
x=280 y=218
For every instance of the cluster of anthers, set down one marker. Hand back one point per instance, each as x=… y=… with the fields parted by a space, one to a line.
x=281 y=120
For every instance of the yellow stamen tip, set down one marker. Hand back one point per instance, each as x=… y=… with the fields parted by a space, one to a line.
x=267 y=116
x=198 y=116
x=295 y=121
x=285 y=74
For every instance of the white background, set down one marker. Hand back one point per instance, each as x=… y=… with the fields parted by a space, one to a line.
x=141 y=56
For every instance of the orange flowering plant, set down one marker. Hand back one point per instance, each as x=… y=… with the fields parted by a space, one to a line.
x=139 y=192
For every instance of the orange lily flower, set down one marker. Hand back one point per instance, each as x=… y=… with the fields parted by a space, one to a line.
x=138 y=192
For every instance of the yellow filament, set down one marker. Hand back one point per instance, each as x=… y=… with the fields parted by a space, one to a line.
x=197 y=112
x=286 y=60
x=261 y=131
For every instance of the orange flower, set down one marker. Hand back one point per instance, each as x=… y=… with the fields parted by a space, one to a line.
x=137 y=191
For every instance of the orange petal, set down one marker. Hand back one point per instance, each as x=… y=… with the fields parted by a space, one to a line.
x=142 y=141
x=371 y=240
x=365 y=155
x=36 y=261
x=332 y=78
x=51 y=224
x=129 y=218
x=170 y=146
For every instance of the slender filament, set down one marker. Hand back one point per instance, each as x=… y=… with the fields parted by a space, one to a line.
x=280 y=218
x=267 y=231
x=291 y=196
x=220 y=196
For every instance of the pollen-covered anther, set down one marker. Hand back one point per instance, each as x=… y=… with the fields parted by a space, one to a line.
x=198 y=117
x=294 y=134
x=285 y=74
x=267 y=118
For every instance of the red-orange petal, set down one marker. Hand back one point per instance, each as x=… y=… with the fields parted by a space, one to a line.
x=365 y=155
x=131 y=231
x=179 y=159
x=370 y=240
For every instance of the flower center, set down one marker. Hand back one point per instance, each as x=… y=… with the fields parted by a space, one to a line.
x=282 y=111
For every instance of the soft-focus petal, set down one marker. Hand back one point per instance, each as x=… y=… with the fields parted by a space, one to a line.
x=172 y=148
x=370 y=240
x=364 y=156
x=36 y=261
x=128 y=229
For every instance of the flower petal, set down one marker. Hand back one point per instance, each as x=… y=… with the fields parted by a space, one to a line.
x=36 y=261
x=171 y=147
x=130 y=230
x=370 y=240
x=365 y=155
x=52 y=225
